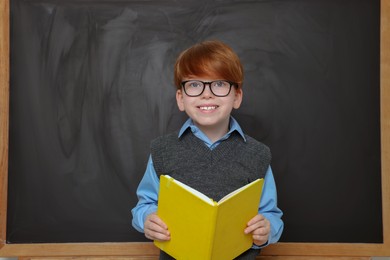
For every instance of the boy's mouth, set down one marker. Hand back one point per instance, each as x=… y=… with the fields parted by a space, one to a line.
x=207 y=108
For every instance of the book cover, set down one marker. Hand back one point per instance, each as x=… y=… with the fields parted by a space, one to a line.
x=202 y=228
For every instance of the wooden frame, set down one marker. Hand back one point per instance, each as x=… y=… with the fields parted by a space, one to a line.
x=147 y=250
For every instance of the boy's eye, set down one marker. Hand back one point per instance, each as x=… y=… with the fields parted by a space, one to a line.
x=219 y=83
x=195 y=84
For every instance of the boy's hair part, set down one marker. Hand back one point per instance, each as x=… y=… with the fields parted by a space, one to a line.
x=209 y=58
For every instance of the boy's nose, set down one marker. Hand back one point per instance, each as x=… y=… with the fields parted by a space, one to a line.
x=207 y=91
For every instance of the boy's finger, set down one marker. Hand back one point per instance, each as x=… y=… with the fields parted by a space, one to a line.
x=156 y=219
x=157 y=235
x=255 y=219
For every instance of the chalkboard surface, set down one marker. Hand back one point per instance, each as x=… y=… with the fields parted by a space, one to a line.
x=92 y=85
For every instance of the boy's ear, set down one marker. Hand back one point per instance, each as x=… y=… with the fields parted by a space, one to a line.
x=237 y=98
x=179 y=99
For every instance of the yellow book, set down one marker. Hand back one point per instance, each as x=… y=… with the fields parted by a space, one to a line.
x=201 y=228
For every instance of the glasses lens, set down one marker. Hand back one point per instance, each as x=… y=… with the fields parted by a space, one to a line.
x=193 y=87
x=220 y=87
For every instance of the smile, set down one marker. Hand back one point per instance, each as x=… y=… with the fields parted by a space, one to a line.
x=208 y=107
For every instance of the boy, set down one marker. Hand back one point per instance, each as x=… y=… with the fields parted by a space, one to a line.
x=210 y=152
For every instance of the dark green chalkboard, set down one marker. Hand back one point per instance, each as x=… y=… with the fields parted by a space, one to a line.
x=92 y=84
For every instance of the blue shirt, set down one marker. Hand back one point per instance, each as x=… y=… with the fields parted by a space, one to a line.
x=148 y=188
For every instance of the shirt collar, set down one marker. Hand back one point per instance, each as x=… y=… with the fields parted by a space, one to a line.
x=234 y=126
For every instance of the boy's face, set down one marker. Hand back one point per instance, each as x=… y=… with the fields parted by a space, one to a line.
x=207 y=110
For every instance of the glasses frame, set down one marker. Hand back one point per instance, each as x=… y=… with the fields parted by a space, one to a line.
x=209 y=84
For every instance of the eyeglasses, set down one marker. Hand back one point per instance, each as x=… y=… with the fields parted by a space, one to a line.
x=220 y=88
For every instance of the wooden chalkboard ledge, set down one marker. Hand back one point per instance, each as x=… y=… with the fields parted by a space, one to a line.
x=146 y=250
x=155 y=257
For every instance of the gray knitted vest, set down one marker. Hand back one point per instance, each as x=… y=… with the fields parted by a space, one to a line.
x=215 y=173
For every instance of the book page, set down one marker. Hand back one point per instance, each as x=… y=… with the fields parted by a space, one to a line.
x=193 y=191
x=233 y=215
x=238 y=190
x=190 y=220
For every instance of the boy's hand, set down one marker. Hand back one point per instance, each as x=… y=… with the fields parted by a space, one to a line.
x=260 y=227
x=155 y=228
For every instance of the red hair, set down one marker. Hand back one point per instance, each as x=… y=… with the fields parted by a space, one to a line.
x=209 y=58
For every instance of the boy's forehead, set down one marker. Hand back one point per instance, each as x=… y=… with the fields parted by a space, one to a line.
x=204 y=77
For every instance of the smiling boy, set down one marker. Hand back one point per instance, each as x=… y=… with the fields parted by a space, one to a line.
x=210 y=153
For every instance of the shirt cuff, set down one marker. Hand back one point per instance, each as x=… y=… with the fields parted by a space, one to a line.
x=149 y=211
x=254 y=246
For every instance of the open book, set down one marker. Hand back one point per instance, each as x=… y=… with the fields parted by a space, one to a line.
x=202 y=228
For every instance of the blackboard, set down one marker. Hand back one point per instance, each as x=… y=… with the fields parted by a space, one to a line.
x=91 y=85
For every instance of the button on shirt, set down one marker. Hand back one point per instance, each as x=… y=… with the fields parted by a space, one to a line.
x=148 y=188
